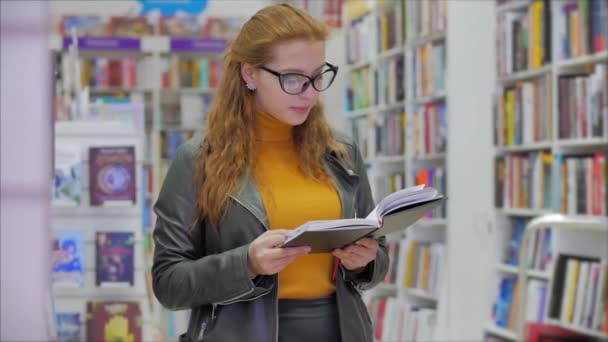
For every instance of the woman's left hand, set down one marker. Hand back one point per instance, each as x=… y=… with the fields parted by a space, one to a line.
x=357 y=255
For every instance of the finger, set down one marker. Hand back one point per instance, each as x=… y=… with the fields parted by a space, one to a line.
x=358 y=250
x=278 y=253
x=367 y=242
x=271 y=240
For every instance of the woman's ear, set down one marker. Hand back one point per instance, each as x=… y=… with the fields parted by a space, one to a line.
x=248 y=74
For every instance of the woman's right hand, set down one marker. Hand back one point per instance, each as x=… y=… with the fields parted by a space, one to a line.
x=265 y=258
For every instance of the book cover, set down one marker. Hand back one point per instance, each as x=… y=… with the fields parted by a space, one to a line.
x=112 y=174
x=114 y=321
x=540 y=332
x=115 y=252
x=67 y=182
x=68 y=327
x=68 y=259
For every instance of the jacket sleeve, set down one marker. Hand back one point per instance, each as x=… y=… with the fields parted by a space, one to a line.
x=183 y=275
x=375 y=271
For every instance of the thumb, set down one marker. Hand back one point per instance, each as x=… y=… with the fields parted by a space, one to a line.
x=272 y=240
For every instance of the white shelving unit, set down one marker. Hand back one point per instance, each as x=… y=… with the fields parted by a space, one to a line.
x=87 y=220
x=545 y=217
x=158 y=50
x=591 y=234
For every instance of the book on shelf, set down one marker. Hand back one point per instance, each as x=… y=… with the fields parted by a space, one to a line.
x=68 y=327
x=582 y=27
x=505 y=307
x=523 y=113
x=429 y=70
x=582 y=182
x=580 y=292
x=67 y=181
x=542 y=332
x=68 y=259
x=582 y=104
x=536 y=302
x=524 y=180
x=115 y=258
x=424 y=18
x=435 y=177
x=429 y=130
x=390 y=134
x=394 y=213
x=523 y=38
x=114 y=321
x=112 y=174
x=394 y=319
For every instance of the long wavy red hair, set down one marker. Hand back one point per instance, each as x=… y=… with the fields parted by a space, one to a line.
x=229 y=148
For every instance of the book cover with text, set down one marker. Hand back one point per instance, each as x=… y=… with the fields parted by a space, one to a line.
x=114 y=264
x=68 y=259
x=112 y=174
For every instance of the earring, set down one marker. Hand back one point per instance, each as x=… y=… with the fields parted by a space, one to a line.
x=250 y=86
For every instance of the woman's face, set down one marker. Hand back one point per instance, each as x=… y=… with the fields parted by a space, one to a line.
x=295 y=56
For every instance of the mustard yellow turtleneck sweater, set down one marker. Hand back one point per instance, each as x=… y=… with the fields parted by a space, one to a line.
x=291 y=199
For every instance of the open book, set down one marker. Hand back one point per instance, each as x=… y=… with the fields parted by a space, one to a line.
x=395 y=212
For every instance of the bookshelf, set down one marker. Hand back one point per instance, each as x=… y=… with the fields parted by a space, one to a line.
x=396 y=108
x=171 y=81
x=551 y=142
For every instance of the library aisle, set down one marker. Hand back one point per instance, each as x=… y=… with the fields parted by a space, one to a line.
x=500 y=105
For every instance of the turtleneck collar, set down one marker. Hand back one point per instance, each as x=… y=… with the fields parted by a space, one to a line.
x=269 y=128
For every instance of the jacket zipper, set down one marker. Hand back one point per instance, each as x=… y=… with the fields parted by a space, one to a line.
x=275 y=298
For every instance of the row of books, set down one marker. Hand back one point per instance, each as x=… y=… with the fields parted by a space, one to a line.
x=435 y=177
x=428 y=70
x=360 y=129
x=185 y=25
x=523 y=38
x=580 y=292
x=204 y=73
x=104 y=321
x=582 y=183
x=424 y=18
x=504 y=308
x=184 y=109
x=582 y=102
x=523 y=113
x=582 y=27
x=370 y=35
x=112 y=176
x=362 y=90
x=390 y=134
x=397 y=320
x=114 y=258
x=390 y=86
x=416 y=265
x=390 y=183
x=524 y=181
x=429 y=131
x=540 y=252
x=125 y=72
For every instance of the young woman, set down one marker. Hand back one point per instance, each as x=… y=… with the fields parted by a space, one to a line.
x=269 y=162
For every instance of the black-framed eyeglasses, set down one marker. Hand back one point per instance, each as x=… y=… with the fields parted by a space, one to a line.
x=294 y=83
